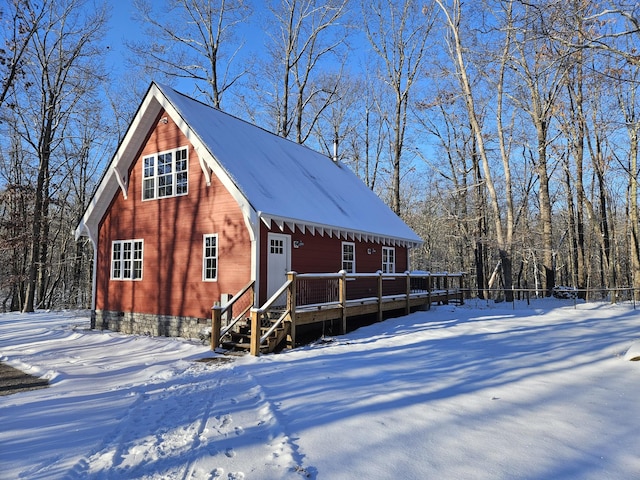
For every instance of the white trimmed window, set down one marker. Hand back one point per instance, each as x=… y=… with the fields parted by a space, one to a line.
x=349 y=257
x=126 y=260
x=165 y=174
x=388 y=260
x=210 y=258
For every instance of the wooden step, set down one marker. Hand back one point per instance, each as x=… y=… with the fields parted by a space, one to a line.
x=241 y=340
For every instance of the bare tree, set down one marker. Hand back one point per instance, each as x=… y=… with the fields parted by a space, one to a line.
x=195 y=40
x=574 y=125
x=398 y=33
x=373 y=136
x=353 y=128
x=20 y=19
x=457 y=164
x=305 y=42
x=607 y=22
x=60 y=72
x=541 y=65
x=501 y=210
x=16 y=200
x=627 y=95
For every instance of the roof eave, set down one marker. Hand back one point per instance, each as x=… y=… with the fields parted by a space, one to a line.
x=337 y=231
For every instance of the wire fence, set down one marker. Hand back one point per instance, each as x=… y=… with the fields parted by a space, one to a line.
x=612 y=295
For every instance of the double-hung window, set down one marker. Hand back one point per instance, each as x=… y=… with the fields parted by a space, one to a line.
x=349 y=257
x=165 y=174
x=126 y=259
x=388 y=260
x=210 y=258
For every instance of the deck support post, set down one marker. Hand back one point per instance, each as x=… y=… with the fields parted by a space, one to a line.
x=291 y=306
x=254 y=347
x=216 y=325
x=342 y=287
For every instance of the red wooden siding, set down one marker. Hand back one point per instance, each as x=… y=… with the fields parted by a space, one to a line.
x=172 y=230
x=323 y=254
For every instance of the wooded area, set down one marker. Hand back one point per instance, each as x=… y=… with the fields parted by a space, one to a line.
x=505 y=132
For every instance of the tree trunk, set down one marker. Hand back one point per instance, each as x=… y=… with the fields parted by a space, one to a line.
x=545 y=214
x=633 y=211
x=452 y=18
x=36 y=232
x=573 y=241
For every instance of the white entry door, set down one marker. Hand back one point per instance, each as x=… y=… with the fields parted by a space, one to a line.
x=278 y=263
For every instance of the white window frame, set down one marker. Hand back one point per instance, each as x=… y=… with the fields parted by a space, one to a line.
x=152 y=177
x=388 y=266
x=127 y=259
x=207 y=256
x=347 y=260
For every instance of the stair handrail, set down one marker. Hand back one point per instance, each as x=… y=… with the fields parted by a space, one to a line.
x=275 y=325
x=274 y=297
x=220 y=310
x=236 y=297
x=234 y=320
x=231 y=302
x=256 y=316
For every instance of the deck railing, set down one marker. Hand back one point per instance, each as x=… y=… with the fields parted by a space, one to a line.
x=348 y=294
x=316 y=297
x=325 y=288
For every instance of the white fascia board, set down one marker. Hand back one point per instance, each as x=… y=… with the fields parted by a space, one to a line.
x=314 y=228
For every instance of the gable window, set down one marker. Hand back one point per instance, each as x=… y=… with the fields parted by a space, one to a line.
x=126 y=260
x=349 y=257
x=210 y=258
x=165 y=174
x=388 y=260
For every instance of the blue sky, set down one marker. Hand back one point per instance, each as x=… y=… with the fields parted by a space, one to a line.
x=123 y=27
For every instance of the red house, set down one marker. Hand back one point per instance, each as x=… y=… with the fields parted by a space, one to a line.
x=196 y=203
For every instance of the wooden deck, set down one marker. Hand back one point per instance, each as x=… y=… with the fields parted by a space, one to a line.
x=316 y=298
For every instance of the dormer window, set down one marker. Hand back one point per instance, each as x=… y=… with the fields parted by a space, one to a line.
x=165 y=174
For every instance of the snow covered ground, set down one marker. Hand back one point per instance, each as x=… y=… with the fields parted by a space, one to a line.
x=482 y=391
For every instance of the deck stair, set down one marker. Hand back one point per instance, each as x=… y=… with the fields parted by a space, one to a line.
x=239 y=339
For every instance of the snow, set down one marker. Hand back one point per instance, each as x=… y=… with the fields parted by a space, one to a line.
x=483 y=391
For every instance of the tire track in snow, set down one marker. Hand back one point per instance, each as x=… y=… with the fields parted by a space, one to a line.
x=283 y=446
x=201 y=423
x=160 y=432
x=249 y=439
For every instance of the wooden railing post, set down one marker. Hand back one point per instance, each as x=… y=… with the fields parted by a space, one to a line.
x=254 y=347
x=429 y=288
x=291 y=306
x=216 y=325
x=342 y=286
x=379 y=272
x=408 y=307
x=446 y=287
